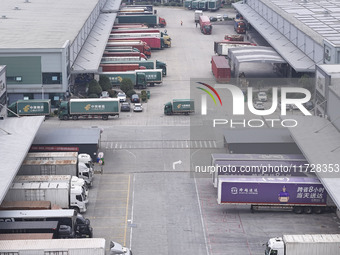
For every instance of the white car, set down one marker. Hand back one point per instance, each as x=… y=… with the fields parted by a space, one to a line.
x=259 y=106
x=104 y=94
x=219 y=17
x=137 y=107
x=121 y=96
x=262 y=96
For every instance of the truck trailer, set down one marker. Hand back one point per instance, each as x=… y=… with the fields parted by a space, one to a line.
x=220 y=68
x=93 y=246
x=125 y=54
x=198 y=14
x=137 y=44
x=89 y=108
x=126 y=59
x=179 y=106
x=149 y=20
x=156 y=43
x=32 y=107
x=116 y=78
x=119 y=67
x=25 y=205
x=221 y=48
x=58 y=193
x=297 y=194
x=205 y=25
x=214 y=5
x=57 y=167
x=152 y=76
x=149 y=64
x=315 y=244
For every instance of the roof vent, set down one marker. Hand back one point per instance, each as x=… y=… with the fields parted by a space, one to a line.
x=4 y=17
x=16 y=8
x=326 y=12
x=27 y=1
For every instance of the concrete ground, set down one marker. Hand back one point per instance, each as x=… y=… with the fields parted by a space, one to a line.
x=147 y=198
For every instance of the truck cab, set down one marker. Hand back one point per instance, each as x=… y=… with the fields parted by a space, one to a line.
x=63 y=111
x=166 y=39
x=161 y=65
x=161 y=22
x=78 y=199
x=83 y=227
x=89 y=172
x=275 y=246
x=116 y=248
x=141 y=81
x=168 y=108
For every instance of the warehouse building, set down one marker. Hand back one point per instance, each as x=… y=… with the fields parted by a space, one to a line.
x=47 y=45
x=304 y=33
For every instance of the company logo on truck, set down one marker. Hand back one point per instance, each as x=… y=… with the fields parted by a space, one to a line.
x=33 y=108
x=27 y=108
x=94 y=107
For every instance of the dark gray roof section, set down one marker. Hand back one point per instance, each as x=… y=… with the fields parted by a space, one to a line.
x=258 y=135
x=16 y=136
x=292 y=54
x=112 y=6
x=67 y=136
x=320 y=142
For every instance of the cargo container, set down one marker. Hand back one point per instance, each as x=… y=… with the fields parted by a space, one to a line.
x=122 y=49
x=195 y=4
x=125 y=54
x=140 y=45
x=240 y=26
x=85 y=164
x=122 y=58
x=57 y=167
x=153 y=42
x=214 y=5
x=78 y=225
x=205 y=25
x=256 y=165
x=25 y=205
x=149 y=64
x=146 y=7
x=298 y=194
x=89 y=108
x=179 y=106
x=32 y=107
x=315 y=244
x=116 y=78
x=234 y=38
x=31 y=227
x=188 y=4
x=26 y=236
x=73 y=181
x=59 y=193
x=149 y=20
x=222 y=48
x=126 y=26
x=203 y=5
x=94 y=246
x=220 y=68
x=119 y=67
x=152 y=76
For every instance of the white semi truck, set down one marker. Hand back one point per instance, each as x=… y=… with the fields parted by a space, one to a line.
x=93 y=246
x=304 y=244
x=74 y=181
x=84 y=161
x=59 y=193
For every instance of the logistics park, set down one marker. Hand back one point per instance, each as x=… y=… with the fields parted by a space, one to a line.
x=186 y=175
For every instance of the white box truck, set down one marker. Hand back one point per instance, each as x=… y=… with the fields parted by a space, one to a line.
x=304 y=244
x=93 y=246
x=59 y=193
x=82 y=159
x=71 y=180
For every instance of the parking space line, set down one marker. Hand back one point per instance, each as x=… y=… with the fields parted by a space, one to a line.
x=127 y=210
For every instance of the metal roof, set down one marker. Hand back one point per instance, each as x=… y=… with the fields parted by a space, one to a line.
x=111 y=6
x=292 y=54
x=258 y=135
x=89 y=57
x=40 y=23
x=319 y=141
x=318 y=19
x=254 y=54
x=16 y=136
x=67 y=136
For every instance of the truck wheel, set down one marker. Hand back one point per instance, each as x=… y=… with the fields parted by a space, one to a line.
x=75 y=208
x=317 y=210
x=74 y=117
x=105 y=117
x=65 y=117
x=298 y=209
x=308 y=210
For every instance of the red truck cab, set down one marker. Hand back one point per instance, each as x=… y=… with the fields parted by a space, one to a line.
x=205 y=25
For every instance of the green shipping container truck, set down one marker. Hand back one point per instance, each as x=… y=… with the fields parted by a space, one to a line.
x=179 y=106
x=33 y=107
x=149 y=20
x=116 y=78
x=152 y=76
x=89 y=108
x=148 y=64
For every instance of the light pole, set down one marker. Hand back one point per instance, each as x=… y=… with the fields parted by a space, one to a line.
x=42 y=91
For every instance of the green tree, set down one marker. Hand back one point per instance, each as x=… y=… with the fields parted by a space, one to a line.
x=126 y=85
x=105 y=82
x=94 y=88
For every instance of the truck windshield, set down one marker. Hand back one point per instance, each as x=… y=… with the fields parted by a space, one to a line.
x=269 y=251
